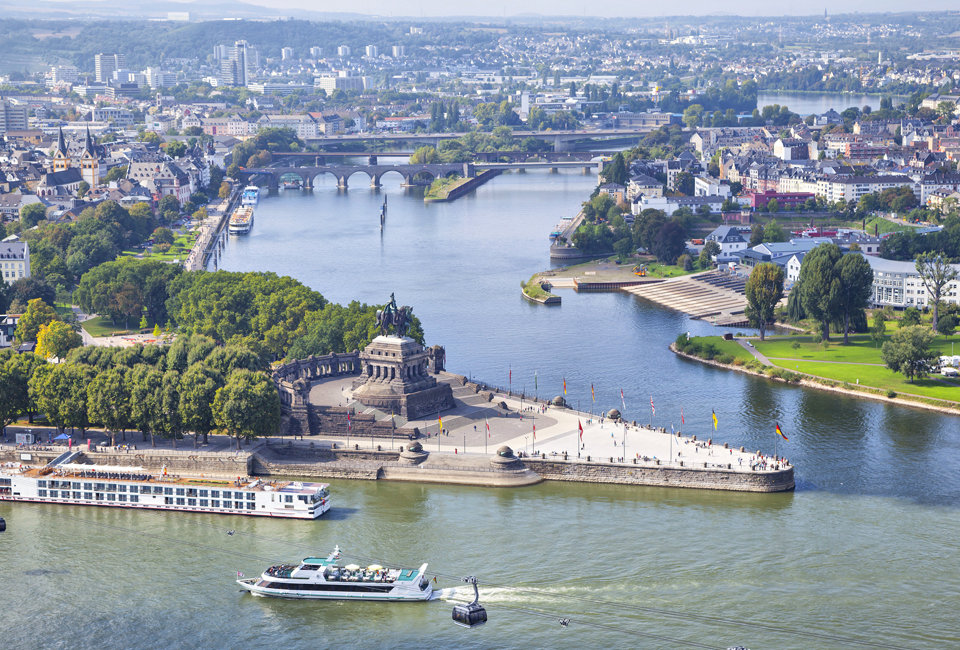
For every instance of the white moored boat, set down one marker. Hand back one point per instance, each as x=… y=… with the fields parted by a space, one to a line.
x=132 y=487
x=251 y=195
x=241 y=220
x=325 y=579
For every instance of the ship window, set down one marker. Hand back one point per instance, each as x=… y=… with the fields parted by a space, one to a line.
x=191 y=492
x=157 y=489
x=191 y=502
x=215 y=494
x=227 y=494
x=168 y=491
x=168 y=501
x=41 y=493
x=100 y=487
x=251 y=496
x=111 y=497
x=121 y=497
x=98 y=496
x=203 y=503
x=76 y=495
x=215 y=504
x=203 y=493
x=41 y=484
x=54 y=494
x=288 y=498
x=134 y=498
x=88 y=495
x=76 y=486
x=111 y=487
x=238 y=505
x=180 y=492
x=88 y=486
x=251 y=506
x=5 y=481
x=180 y=501
x=134 y=489
x=121 y=488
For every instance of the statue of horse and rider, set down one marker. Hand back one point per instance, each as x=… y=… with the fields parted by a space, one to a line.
x=392 y=316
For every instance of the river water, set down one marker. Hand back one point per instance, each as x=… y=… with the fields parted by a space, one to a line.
x=804 y=103
x=865 y=548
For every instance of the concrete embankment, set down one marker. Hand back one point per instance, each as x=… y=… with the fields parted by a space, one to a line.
x=418 y=466
x=465 y=188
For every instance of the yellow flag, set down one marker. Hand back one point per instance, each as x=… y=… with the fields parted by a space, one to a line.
x=714 y=420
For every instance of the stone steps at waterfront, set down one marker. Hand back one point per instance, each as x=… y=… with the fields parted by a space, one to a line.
x=700 y=296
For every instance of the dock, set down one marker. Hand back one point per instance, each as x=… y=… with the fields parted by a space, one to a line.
x=712 y=296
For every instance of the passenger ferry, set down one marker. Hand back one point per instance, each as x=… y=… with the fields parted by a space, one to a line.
x=132 y=487
x=251 y=195
x=325 y=579
x=290 y=185
x=241 y=220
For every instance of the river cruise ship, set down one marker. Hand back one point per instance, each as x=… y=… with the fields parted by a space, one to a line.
x=132 y=487
x=251 y=195
x=326 y=579
x=241 y=220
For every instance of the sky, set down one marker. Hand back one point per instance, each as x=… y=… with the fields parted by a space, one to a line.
x=608 y=8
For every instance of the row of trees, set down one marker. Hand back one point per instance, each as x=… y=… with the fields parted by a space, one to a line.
x=193 y=386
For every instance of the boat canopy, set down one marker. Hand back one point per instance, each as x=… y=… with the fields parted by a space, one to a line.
x=118 y=469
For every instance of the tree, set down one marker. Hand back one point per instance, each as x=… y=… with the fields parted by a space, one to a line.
x=163 y=236
x=31 y=214
x=56 y=339
x=116 y=173
x=144 y=384
x=764 y=291
x=108 y=401
x=198 y=389
x=60 y=391
x=756 y=235
x=82 y=188
x=856 y=286
x=820 y=285
x=669 y=244
x=38 y=314
x=685 y=183
x=947 y=325
x=773 y=233
x=248 y=406
x=15 y=373
x=224 y=190
x=616 y=171
x=936 y=272
x=176 y=148
x=692 y=116
x=424 y=156
x=710 y=249
x=879 y=327
x=910 y=318
x=908 y=352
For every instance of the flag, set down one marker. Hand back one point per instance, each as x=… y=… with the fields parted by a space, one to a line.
x=564 y=385
x=534 y=380
x=511 y=375
x=653 y=410
x=714 y=419
x=348 y=422
x=580 y=426
x=624 y=404
x=534 y=430
x=440 y=422
x=781 y=433
x=239 y=574
x=682 y=421
x=592 y=394
x=434 y=579
x=488 y=426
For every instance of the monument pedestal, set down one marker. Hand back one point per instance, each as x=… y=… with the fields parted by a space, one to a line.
x=396 y=379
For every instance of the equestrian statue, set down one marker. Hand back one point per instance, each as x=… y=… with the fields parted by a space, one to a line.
x=392 y=316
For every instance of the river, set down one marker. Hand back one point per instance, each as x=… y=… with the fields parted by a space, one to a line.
x=866 y=547
x=806 y=103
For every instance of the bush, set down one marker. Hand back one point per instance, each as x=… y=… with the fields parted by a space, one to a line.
x=724 y=358
x=709 y=351
x=161 y=248
x=737 y=361
x=891 y=393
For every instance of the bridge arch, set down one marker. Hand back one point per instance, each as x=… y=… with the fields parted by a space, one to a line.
x=320 y=171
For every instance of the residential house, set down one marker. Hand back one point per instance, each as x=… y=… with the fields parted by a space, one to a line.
x=14 y=259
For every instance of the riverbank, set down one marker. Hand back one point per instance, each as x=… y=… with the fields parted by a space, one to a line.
x=829 y=385
x=444 y=190
x=536 y=290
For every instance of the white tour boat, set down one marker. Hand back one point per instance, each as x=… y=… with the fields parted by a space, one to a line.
x=241 y=220
x=132 y=487
x=251 y=195
x=325 y=579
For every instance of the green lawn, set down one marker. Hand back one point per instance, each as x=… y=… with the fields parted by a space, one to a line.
x=887 y=226
x=733 y=348
x=658 y=270
x=860 y=350
x=102 y=326
x=875 y=377
x=179 y=250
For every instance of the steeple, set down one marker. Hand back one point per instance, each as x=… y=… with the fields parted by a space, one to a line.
x=88 y=143
x=61 y=143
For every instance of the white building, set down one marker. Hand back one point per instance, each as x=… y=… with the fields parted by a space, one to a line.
x=157 y=78
x=852 y=188
x=899 y=285
x=13 y=117
x=286 y=53
x=372 y=51
x=63 y=74
x=729 y=239
x=119 y=116
x=341 y=82
x=304 y=125
x=14 y=260
x=399 y=51
x=709 y=186
x=343 y=50
x=316 y=52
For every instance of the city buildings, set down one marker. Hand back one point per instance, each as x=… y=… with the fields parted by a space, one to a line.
x=12 y=117
x=14 y=260
x=106 y=64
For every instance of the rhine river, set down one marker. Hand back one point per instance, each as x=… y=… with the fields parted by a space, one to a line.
x=867 y=546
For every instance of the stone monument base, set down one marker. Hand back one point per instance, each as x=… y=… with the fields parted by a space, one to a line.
x=396 y=379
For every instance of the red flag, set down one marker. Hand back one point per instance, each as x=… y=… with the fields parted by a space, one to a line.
x=682 y=421
x=653 y=411
x=534 y=430
x=580 y=426
x=488 y=426
x=348 y=421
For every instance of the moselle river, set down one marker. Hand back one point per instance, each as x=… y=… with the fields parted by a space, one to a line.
x=866 y=547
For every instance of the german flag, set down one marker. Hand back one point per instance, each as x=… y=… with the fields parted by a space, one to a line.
x=781 y=433
x=714 y=420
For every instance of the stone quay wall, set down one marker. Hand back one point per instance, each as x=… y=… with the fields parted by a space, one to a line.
x=186 y=462
x=713 y=478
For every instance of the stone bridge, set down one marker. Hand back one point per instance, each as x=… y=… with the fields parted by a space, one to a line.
x=373 y=172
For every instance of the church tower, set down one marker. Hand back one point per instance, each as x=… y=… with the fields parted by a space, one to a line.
x=61 y=157
x=90 y=162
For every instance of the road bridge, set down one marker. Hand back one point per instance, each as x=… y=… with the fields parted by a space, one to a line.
x=320 y=158
x=408 y=172
x=561 y=140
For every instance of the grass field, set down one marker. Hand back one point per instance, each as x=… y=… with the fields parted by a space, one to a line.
x=875 y=377
x=732 y=348
x=102 y=326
